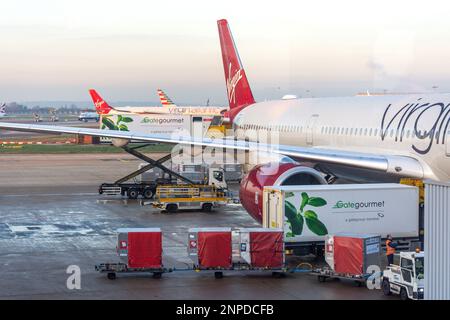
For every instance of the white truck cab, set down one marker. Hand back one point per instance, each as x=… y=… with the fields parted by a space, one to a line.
x=407 y=278
x=216 y=177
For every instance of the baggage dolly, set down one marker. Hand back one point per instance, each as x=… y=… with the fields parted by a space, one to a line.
x=112 y=269
x=326 y=273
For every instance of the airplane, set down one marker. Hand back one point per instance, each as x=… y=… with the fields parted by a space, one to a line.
x=367 y=137
x=103 y=107
x=2 y=110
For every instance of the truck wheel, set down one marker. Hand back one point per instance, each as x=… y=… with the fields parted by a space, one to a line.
x=171 y=208
x=321 y=278
x=111 y=276
x=147 y=193
x=386 y=287
x=157 y=275
x=207 y=207
x=132 y=193
x=218 y=275
x=403 y=294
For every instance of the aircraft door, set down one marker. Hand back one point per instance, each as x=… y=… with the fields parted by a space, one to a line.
x=197 y=127
x=447 y=144
x=310 y=129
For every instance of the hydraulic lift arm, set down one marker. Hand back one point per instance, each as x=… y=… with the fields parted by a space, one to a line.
x=152 y=163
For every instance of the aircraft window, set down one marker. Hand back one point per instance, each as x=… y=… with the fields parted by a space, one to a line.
x=334 y=130
x=408 y=133
x=342 y=131
x=346 y=131
x=376 y=132
x=370 y=132
x=360 y=131
x=365 y=132
x=392 y=133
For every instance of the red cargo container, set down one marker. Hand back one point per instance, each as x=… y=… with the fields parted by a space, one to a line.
x=211 y=247
x=353 y=254
x=144 y=250
x=142 y=247
x=262 y=248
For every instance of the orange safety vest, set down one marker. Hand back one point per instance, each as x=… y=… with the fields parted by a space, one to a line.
x=389 y=249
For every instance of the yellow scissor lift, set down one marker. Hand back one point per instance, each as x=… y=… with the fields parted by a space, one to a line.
x=172 y=198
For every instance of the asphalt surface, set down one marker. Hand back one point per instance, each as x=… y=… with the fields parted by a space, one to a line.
x=51 y=217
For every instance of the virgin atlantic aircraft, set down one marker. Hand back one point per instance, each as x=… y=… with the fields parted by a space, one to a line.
x=372 y=138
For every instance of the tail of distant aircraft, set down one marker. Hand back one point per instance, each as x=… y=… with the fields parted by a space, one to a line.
x=101 y=105
x=239 y=93
x=164 y=98
x=3 y=110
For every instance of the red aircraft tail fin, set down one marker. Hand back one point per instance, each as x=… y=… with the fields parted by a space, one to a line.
x=239 y=93
x=101 y=105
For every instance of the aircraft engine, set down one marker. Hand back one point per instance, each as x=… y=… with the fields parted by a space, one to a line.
x=273 y=174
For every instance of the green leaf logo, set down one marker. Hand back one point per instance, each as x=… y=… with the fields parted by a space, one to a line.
x=305 y=199
x=127 y=119
x=109 y=123
x=310 y=215
x=316 y=202
x=295 y=220
x=316 y=226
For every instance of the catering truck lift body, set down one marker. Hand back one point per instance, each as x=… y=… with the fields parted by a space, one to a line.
x=308 y=213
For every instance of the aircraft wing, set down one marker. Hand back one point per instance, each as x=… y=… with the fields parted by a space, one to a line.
x=392 y=164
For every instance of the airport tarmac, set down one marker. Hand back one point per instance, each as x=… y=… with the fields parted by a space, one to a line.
x=51 y=217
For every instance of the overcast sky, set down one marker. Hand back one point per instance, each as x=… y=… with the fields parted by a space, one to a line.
x=56 y=50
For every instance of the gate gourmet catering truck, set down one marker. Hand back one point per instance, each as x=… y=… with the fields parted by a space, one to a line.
x=164 y=124
x=308 y=213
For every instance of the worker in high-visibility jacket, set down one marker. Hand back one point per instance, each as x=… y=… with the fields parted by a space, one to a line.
x=390 y=249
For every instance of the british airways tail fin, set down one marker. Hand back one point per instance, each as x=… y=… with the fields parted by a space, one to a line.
x=2 y=109
x=101 y=105
x=239 y=93
x=165 y=100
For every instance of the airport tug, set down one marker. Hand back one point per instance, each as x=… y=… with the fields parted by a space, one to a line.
x=405 y=278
